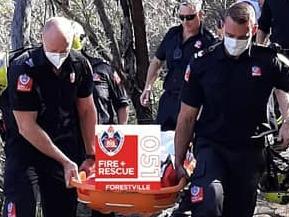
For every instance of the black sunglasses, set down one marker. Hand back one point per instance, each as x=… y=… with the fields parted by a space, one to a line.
x=187 y=17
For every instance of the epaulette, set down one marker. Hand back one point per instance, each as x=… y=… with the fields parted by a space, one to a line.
x=260 y=48
x=274 y=50
x=204 y=52
x=21 y=59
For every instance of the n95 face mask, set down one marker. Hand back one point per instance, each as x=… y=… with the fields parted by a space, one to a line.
x=235 y=47
x=57 y=59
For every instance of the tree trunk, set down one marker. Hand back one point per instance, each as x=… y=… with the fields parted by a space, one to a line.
x=116 y=62
x=20 y=32
x=141 y=50
x=144 y=115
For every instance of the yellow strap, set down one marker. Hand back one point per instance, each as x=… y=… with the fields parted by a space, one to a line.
x=3 y=72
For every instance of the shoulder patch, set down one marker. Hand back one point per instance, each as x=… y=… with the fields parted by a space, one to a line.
x=11 y=209
x=187 y=73
x=24 y=83
x=197 y=194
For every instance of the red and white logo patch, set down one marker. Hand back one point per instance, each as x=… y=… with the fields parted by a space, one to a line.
x=24 y=83
x=127 y=158
x=116 y=155
x=197 y=194
x=111 y=141
x=72 y=77
x=11 y=209
x=187 y=73
x=256 y=71
x=198 y=44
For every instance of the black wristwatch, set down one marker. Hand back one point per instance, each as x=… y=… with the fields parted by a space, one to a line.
x=89 y=156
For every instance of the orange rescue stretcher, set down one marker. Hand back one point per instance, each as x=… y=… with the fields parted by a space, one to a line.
x=126 y=203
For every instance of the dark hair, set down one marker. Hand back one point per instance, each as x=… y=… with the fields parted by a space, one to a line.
x=241 y=13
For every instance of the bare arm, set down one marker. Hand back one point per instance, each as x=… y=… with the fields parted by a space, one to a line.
x=283 y=101
x=184 y=131
x=88 y=119
x=122 y=115
x=153 y=72
x=152 y=75
x=261 y=37
x=33 y=133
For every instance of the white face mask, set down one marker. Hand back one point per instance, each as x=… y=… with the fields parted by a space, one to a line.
x=235 y=47
x=57 y=59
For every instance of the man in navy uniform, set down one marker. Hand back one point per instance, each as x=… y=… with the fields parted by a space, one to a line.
x=176 y=49
x=232 y=82
x=50 y=96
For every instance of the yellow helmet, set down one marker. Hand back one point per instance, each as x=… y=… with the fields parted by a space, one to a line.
x=3 y=72
x=79 y=36
x=277 y=197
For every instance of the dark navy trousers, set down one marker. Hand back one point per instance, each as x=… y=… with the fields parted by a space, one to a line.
x=225 y=179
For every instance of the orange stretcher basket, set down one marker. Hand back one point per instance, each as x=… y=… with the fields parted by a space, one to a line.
x=139 y=202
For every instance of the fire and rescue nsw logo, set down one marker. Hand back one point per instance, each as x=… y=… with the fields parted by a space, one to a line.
x=111 y=141
x=127 y=157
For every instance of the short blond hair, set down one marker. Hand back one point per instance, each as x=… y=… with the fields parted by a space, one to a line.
x=195 y=4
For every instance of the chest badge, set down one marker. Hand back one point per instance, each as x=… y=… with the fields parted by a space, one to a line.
x=256 y=71
x=24 y=83
x=72 y=77
x=198 y=44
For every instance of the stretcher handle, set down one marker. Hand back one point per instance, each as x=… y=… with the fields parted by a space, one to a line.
x=122 y=205
x=81 y=183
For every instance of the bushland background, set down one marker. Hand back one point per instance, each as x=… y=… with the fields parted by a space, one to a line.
x=126 y=33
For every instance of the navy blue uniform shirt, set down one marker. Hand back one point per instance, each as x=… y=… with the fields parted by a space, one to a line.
x=177 y=54
x=34 y=86
x=109 y=93
x=233 y=93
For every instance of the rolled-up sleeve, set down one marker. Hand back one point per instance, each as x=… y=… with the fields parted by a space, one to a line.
x=86 y=86
x=192 y=92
